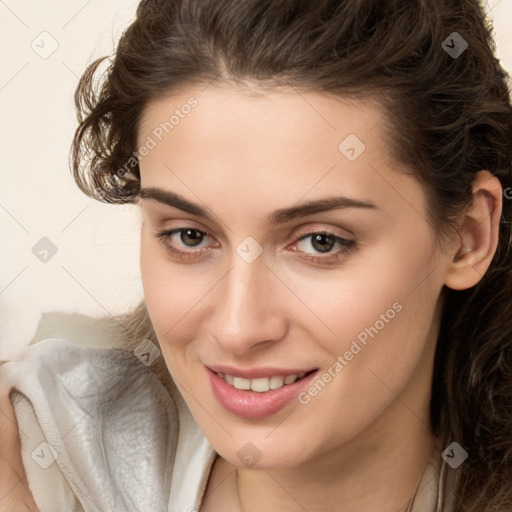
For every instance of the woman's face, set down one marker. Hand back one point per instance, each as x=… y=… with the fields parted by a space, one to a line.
x=278 y=238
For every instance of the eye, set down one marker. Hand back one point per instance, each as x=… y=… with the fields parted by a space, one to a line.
x=323 y=247
x=322 y=242
x=191 y=237
x=186 y=242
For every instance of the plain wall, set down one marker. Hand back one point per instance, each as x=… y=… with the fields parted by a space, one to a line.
x=95 y=269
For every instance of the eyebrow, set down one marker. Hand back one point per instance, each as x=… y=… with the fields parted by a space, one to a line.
x=277 y=217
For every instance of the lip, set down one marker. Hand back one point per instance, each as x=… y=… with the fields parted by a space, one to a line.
x=257 y=373
x=254 y=405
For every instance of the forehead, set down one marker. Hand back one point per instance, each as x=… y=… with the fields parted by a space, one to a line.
x=219 y=111
x=252 y=148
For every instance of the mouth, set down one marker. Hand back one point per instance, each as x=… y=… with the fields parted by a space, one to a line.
x=263 y=384
x=260 y=396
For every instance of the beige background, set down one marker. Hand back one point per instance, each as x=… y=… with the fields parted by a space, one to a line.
x=46 y=45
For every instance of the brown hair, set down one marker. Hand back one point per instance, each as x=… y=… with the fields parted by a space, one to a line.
x=450 y=117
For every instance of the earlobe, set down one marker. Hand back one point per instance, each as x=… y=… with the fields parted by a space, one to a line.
x=478 y=234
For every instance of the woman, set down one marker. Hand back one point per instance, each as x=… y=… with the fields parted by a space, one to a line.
x=325 y=256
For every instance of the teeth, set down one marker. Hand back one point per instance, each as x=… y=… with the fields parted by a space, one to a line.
x=260 y=385
x=276 y=382
x=240 y=383
x=289 y=379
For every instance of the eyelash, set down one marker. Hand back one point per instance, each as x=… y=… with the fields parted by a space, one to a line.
x=164 y=236
x=348 y=246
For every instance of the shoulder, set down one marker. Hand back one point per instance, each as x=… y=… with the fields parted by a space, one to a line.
x=69 y=384
x=57 y=370
x=103 y=414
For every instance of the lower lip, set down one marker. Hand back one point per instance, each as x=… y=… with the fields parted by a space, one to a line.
x=254 y=405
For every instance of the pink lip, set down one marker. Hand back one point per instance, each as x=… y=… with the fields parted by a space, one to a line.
x=256 y=373
x=254 y=405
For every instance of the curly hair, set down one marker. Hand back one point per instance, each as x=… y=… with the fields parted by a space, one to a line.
x=449 y=116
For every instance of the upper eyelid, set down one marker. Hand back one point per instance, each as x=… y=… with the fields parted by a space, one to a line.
x=346 y=235
x=173 y=231
x=320 y=232
x=183 y=225
x=304 y=233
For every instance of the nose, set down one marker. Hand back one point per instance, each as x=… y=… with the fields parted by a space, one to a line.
x=250 y=310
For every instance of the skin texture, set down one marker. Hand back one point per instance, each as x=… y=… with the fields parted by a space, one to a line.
x=241 y=154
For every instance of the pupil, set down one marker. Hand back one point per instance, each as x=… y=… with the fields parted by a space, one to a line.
x=323 y=243
x=191 y=237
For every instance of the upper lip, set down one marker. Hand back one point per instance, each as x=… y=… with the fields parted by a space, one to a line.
x=256 y=373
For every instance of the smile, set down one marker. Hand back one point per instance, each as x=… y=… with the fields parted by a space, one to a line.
x=262 y=384
x=259 y=396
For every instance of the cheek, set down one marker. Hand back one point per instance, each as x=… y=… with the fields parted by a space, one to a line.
x=367 y=291
x=174 y=293
x=381 y=313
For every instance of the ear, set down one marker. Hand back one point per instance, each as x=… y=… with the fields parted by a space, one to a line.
x=477 y=235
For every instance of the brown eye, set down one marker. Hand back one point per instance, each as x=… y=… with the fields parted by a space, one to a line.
x=191 y=237
x=187 y=244
x=324 y=245
x=322 y=242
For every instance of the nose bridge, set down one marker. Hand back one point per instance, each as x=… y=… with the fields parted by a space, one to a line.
x=246 y=312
